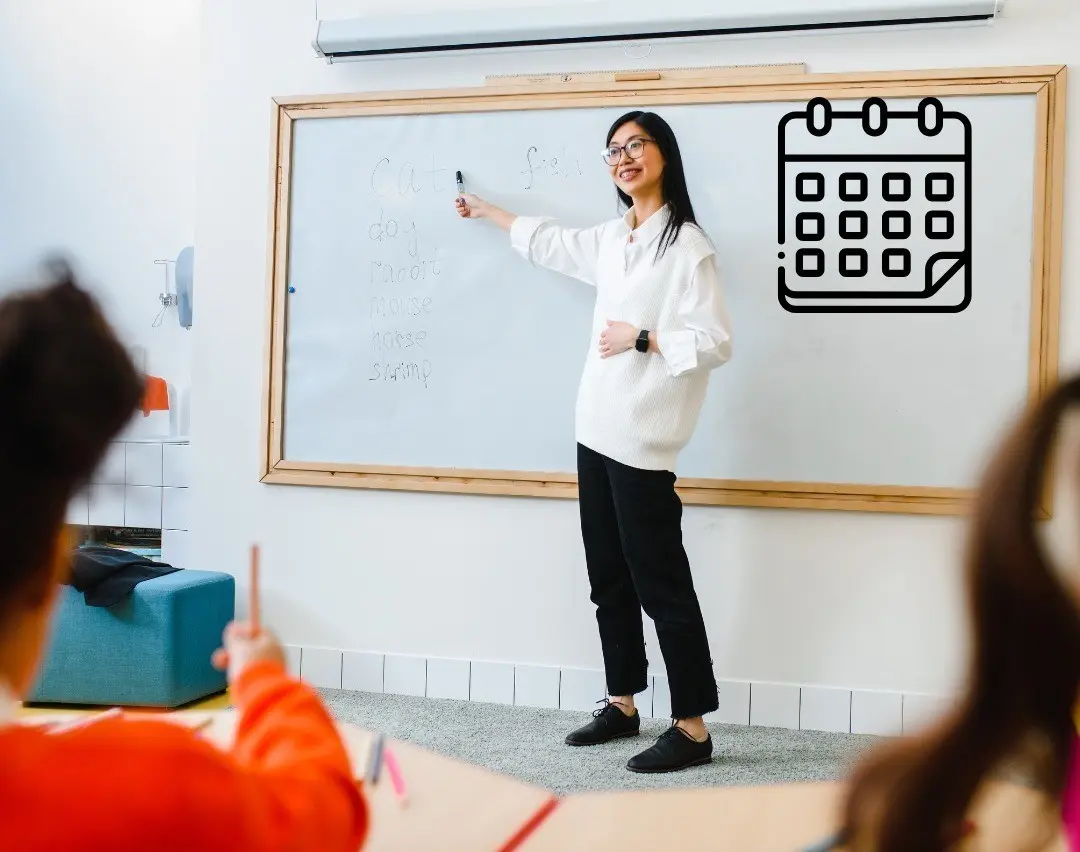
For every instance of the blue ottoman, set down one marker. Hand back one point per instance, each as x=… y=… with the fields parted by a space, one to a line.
x=150 y=650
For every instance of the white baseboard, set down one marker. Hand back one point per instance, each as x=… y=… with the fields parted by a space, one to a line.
x=772 y=705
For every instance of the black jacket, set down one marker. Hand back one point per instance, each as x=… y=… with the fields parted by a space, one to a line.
x=105 y=575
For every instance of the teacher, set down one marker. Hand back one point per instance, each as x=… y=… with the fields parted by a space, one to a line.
x=660 y=327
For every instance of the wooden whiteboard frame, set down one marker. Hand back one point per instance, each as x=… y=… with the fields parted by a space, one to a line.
x=1047 y=83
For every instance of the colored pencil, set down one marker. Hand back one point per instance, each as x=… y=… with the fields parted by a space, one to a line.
x=530 y=826
x=84 y=721
x=396 y=777
x=253 y=603
x=375 y=763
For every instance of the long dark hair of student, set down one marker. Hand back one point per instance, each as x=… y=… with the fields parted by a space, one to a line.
x=67 y=387
x=673 y=183
x=1022 y=676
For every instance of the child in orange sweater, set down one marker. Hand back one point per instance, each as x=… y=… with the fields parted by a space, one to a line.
x=67 y=387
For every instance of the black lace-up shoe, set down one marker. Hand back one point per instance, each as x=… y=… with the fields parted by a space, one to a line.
x=609 y=723
x=674 y=750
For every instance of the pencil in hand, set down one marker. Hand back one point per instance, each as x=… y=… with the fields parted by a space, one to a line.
x=253 y=600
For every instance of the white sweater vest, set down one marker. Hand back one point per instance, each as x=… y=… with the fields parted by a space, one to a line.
x=632 y=407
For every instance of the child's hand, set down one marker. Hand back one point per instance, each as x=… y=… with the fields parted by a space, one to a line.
x=242 y=649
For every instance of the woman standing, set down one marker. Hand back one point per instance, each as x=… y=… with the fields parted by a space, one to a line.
x=660 y=326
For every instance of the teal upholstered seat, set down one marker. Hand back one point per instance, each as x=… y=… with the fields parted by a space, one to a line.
x=150 y=650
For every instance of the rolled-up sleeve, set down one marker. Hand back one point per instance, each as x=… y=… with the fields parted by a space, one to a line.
x=704 y=340
x=570 y=251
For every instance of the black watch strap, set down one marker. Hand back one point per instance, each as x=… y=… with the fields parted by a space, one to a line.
x=642 y=344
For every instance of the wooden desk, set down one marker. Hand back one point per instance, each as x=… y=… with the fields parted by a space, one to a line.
x=456 y=807
x=451 y=805
x=779 y=818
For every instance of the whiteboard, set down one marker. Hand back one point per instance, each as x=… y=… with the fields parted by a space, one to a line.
x=416 y=341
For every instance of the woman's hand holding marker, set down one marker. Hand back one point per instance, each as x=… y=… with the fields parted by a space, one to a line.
x=470 y=206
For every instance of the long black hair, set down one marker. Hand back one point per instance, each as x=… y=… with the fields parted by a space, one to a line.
x=673 y=182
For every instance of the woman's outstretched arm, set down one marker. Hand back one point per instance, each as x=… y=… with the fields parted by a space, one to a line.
x=571 y=251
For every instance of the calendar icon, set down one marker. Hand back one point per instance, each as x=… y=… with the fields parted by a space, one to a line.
x=874 y=208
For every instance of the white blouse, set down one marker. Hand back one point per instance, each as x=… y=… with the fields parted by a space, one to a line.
x=637 y=408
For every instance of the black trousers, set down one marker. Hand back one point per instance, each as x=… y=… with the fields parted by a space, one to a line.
x=631 y=526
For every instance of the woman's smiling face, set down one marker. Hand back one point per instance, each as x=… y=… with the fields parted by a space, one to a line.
x=634 y=160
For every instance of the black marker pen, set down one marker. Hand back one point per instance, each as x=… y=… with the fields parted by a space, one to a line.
x=460 y=183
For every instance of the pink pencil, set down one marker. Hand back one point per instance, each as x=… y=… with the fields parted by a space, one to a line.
x=395 y=774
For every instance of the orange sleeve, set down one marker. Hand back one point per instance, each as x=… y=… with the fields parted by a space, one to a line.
x=307 y=796
x=126 y=785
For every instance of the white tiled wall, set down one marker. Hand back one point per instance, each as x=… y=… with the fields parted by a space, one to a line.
x=877 y=713
x=825 y=710
x=174 y=508
x=175 y=465
x=405 y=675
x=142 y=506
x=581 y=689
x=112 y=470
x=661 y=699
x=107 y=505
x=536 y=686
x=142 y=483
x=78 y=512
x=774 y=705
x=362 y=672
x=448 y=679
x=321 y=667
x=143 y=464
x=734 y=702
x=293 y=655
x=492 y=683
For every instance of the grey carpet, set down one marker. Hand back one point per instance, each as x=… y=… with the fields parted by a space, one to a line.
x=528 y=744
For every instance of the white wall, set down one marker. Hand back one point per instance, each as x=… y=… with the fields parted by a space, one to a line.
x=97 y=152
x=852 y=600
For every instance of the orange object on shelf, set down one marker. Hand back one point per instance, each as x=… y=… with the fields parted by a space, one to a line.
x=155 y=396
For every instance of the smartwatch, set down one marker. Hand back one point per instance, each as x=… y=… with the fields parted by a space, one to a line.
x=642 y=344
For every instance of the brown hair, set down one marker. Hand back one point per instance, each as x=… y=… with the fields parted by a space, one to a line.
x=1023 y=675
x=67 y=387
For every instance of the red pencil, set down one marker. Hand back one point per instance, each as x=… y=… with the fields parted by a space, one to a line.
x=530 y=826
x=253 y=603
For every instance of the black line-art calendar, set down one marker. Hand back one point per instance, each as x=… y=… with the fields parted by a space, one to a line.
x=874 y=208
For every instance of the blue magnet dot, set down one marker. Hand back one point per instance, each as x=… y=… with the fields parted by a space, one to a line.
x=292 y=289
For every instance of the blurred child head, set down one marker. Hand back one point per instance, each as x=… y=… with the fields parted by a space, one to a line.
x=67 y=387
x=1024 y=670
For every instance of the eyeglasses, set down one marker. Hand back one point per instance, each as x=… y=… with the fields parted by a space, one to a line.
x=634 y=149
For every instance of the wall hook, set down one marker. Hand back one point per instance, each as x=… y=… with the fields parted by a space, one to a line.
x=167 y=298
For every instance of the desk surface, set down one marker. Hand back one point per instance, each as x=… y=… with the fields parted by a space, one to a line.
x=456 y=807
x=776 y=818
x=450 y=805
